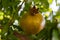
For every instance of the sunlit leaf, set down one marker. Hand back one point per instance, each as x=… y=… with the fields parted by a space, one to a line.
x=50 y=1
x=0 y=30
x=1 y=13
x=1 y=17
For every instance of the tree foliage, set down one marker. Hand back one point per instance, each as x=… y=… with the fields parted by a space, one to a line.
x=12 y=10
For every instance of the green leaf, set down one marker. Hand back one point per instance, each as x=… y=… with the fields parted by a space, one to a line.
x=58 y=12
x=36 y=0
x=26 y=8
x=50 y=1
x=55 y=35
x=12 y=37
